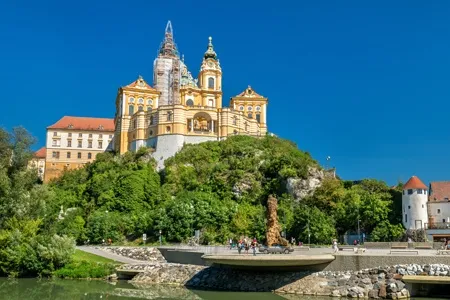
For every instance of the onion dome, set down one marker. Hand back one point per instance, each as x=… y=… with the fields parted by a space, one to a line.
x=210 y=53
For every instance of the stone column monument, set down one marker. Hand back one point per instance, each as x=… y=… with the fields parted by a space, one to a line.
x=273 y=228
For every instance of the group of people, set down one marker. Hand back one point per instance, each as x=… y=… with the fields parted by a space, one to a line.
x=245 y=243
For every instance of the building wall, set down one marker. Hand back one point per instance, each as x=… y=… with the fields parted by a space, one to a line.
x=439 y=211
x=166 y=146
x=38 y=163
x=414 y=209
x=57 y=159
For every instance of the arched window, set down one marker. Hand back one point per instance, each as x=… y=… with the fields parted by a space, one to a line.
x=234 y=120
x=131 y=110
x=250 y=115
x=89 y=155
x=258 y=118
x=140 y=100
x=211 y=102
x=151 y=120
x=169 y=116
x=140 y=108
x=210 y=83
x=190 y=102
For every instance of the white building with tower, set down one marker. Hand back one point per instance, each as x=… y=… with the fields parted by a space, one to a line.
x=414 y=204
x=427 y=208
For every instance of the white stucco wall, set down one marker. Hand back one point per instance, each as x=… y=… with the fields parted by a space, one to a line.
x=414 y=209
x=167 y=146
x=440 y=211
x=198 y=139
x=63 y=137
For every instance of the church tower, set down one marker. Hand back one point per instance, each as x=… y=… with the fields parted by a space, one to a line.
x=414 y=204
x=166 y=70
x=210 y=78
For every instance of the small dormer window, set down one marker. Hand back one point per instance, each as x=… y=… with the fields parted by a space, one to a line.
x=70 y=126
x=100 y=127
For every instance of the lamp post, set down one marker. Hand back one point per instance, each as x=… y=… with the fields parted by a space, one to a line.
x=359 y=234
x=160 y=237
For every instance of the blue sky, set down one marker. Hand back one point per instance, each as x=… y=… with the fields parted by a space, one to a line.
x=365 y=83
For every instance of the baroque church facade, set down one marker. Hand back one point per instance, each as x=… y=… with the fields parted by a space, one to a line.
x=180 y=109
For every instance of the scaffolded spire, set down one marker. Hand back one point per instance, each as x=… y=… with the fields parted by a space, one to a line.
x=168 y=47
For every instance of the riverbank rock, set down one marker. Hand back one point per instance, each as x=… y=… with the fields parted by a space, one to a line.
x=138 y=253
x=383 y=282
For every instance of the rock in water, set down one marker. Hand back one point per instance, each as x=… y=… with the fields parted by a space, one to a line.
x=273 y=228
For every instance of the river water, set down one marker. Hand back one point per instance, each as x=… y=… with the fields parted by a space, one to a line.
x=35 y=289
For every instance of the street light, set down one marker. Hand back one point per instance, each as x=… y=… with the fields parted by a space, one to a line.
x=160 y=237
x=359 y=234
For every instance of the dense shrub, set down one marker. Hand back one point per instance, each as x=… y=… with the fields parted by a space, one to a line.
x=85 y=269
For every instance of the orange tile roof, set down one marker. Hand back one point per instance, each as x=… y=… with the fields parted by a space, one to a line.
x=414 y=183
x=40 y=153
x=82 y=123
x=439 y=191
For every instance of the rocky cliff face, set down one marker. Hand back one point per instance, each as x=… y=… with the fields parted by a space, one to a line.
x=300 y=188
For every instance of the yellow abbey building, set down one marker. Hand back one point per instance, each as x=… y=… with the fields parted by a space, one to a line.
x=179 y=109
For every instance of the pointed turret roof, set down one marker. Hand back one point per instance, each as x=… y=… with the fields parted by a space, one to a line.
x=414 y=183
x=168 y=47
x=210 y=53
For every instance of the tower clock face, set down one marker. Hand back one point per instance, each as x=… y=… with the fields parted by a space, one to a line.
x=210 y=63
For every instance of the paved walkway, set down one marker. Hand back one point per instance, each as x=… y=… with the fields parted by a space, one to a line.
x=106 y=254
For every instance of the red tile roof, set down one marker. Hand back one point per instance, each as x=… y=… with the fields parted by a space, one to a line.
x=81 y=123
x=40 y=153
x=414 y=183
x=439 y=191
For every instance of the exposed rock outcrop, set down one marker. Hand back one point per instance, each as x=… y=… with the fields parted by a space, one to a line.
x=137 y=253
x=300 y=188
x=273 y=228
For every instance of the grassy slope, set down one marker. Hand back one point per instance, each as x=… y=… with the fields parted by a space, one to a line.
x=81 y=255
